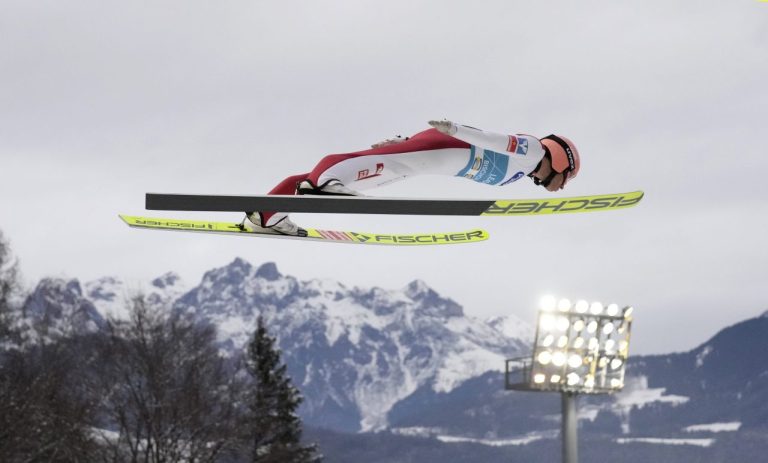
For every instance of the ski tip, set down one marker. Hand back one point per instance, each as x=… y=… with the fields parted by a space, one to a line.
x=564 y=205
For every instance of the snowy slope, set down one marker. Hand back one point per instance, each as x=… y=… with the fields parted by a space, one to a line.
x=355 y=352
x=111 y=295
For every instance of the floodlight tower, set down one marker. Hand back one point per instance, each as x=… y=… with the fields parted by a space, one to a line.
x=579 y=348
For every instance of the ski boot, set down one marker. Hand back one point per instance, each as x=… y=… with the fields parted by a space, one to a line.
x=332 y=187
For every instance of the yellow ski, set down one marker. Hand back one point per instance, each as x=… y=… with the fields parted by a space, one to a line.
x=315 y=235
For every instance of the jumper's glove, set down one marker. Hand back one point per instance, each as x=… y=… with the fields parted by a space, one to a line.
x=444 y=126
x=389 y=141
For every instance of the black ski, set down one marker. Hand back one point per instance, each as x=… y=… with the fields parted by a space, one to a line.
x=401 y=206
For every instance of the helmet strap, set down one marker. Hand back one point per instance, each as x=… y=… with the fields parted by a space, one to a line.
x=546 y=181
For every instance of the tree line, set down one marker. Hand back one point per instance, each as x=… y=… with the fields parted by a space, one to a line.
x=152 y=388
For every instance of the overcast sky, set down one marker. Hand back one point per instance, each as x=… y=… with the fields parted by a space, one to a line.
x=103 y=101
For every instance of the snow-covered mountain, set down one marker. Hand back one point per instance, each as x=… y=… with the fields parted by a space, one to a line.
x=354 y=352
x=58 y=307
x=712 y=396
x=110 y=294
x=409 y=360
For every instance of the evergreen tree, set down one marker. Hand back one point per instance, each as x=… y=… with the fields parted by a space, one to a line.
x=274 y=428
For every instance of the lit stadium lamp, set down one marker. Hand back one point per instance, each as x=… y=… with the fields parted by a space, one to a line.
x=575 y=361
x=568 y=341
x=596 y=308
x=582 y=306
x=592 y=327
x=548 y=303
x=547 y=322
x=578 y=348
x=612 y=310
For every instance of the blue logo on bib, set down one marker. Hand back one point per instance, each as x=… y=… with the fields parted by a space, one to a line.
x=514 y=178
x=522 y=146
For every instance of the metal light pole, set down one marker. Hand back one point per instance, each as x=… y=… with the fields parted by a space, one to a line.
x=570 y=428
x=578 y=349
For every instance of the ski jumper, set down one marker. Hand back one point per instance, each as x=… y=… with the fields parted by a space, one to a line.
x=484 y=157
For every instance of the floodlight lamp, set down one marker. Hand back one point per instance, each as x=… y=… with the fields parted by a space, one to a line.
x=573 y=379
x=603 y=362
x=589 y=381
x=539 y=378
x=609 y=345
x=578 y=325
x=548 y=340
x=593 y=344
x=548 y=303
x=545 y=357
x=616 y=363
x=563 y=324
x=575 y=361
x=616 y=383
x=582 y=306
x=612 y=310
x=564 y=305
x=547 y=322
x=578 y=343
x=558 y=359
x=596 y=308
x=628 y=311
x=562 y=342
x=592 y=327
x=554 y=379
x=608 y=328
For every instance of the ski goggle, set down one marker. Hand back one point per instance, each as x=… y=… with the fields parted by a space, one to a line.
x=545 y=182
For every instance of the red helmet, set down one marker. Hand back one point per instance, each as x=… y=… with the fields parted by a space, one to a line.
x=564 y=155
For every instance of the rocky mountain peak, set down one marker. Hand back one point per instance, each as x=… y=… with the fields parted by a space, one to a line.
x=268 y=271
x=59 y=304
x=166 y=280
x=428 y=301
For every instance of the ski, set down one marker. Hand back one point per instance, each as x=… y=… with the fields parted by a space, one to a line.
x=313 y=234
x=374 y=205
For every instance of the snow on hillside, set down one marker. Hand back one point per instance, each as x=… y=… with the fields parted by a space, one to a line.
x=369 y=347
x=111 y=295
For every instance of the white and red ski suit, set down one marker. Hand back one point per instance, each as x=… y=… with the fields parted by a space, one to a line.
x=484 y=157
